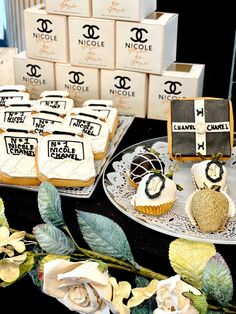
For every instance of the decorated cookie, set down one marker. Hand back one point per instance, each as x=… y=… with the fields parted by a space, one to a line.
x=65 y=159
x=155 y=195
x=200 y=126
x=94 y=130
x=108 y=111
x=142 y=164
x=16 y=112
x=12 y=92
x=17 y=162
x=55 y=101
x=43 y=119
x=209 y=209
x=209 y=173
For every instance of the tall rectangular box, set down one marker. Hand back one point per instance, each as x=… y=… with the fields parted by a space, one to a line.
x=128 y=91
x=149 y=46
x=7 y=66
x=131 y=10
x=69 y=7
x=36 y=75
x=180 y=80
x=81 y=83
x=46 y=35
x=92 y=42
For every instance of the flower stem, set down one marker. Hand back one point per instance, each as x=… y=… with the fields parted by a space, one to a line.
x=117 y=263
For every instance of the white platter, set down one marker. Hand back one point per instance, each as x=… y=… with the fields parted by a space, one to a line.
x=175 y=222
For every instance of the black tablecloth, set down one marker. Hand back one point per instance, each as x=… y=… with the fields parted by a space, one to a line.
x=150 y=248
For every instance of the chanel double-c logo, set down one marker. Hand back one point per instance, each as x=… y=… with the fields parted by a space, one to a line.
x=76 y=77
x=44 y=26
x=139 y=33
x=122 y=82
x=91 y=31
x=173 y=87
x=33 y=70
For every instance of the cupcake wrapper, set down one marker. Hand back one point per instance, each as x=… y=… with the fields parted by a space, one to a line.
x=155 y=210
x=132 y=183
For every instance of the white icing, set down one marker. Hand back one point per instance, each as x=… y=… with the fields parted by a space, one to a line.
x=62 y=93
x=107 y=102
x=62 y=106
x=39 y=121
x=109 y=114
x=19 y=88
x=199 y=175
x=167 y=195
x=18 y=165
x=67 y=168
x=15 y=115
x=99 y=128
x=8 y=96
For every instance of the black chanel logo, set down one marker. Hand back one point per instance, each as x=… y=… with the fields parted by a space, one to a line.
x=91 y=31
x=139 y=35
x=33 y=68
x=122 y=82
x=76 y=77
x=44 y=26
x=173 y=87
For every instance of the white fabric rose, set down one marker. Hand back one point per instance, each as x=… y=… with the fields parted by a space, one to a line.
x=170 y=299
x=80 y=286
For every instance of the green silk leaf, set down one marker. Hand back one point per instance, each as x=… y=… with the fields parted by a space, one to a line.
x=217 y=280
x=104 y=236
x=3 y=219
x=53 y=240
x=49 y=204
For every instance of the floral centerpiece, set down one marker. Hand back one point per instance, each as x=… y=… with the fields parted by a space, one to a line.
x=82 y=279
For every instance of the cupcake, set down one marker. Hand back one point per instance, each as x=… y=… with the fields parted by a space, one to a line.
x=155 y=195
x=142 y=164
x=209 y=173
x=209 y=210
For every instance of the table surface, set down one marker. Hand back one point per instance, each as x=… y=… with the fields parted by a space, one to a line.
x=149 y=247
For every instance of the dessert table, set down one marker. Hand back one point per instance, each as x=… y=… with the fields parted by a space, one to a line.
x=149 y=247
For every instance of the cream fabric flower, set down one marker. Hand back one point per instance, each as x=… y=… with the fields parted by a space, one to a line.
x=10 y=267
x=9 y=243
x=170 y=299
x=80 y=286
x=121 y=291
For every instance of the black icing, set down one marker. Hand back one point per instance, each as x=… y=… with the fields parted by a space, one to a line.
x=220 y=166
x=143 y=163
x=9 y=90
x=49 y=112
x=158 y=193
x=63 y=133
x=96 y=105
x=21 y=105
x=54 y=96
x=17 y=130
x=87 y=115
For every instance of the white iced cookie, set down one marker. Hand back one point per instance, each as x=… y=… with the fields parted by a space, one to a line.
x=65 y=159
x=155 y=195
x=94 y=130
x=57 y=104
x=16 y=113
x=209 y=173
x=17 y=160
x=6 y=96
x=108 y=112
x=40 y=121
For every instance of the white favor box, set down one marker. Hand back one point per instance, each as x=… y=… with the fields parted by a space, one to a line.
x=6 y=65
x=179 y=81
x=132 y=10
x=36 y=75
x=92 y=42
x=69 y=7
x=128 y=91
x=148 y=46
x=81 y=83
x=46 y=35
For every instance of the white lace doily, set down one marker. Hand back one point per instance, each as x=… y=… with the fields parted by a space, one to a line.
x=175 y=222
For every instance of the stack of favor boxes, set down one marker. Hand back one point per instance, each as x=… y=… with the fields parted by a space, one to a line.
x=106 y=49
